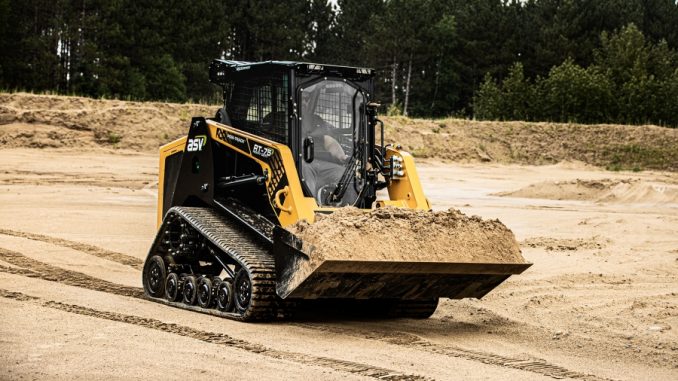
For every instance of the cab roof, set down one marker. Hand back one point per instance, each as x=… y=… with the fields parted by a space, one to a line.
x=224 y=71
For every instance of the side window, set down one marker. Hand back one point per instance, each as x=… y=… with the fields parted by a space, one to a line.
x=259 y=106
x=335 y=105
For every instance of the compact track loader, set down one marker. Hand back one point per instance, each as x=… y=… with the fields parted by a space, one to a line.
x=292 y=141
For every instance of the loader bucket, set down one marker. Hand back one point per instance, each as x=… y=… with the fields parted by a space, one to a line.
x=300 y=275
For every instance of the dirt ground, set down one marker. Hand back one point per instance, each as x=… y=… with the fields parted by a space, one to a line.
x=600 y=301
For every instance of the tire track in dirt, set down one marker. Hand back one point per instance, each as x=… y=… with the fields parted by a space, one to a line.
x=68 y=277
x=19 y=271
x=220 y=339
x=37 y=269
x=79 y=181
x=409 y=340
x=85 y=248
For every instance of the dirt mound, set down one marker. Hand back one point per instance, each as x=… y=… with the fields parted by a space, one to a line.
x=15 y=135
x=565 y=244
x=612 y=146
x=409 y=235
x=40 y=121
x=603 y=190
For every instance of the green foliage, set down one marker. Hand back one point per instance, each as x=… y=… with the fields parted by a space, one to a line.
x=394 y=110
x=636 y=157
x=571 y=93
x=107 y=136
x=632 y=81
x=488 y=103
x=4 y=36
x=514 y=99
x=518 y=94
x=166 y=83
x=431 y=57
x=114 y=138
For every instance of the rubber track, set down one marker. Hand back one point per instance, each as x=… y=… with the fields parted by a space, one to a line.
x=364 y=370
x=238 y=243
x=36 y=269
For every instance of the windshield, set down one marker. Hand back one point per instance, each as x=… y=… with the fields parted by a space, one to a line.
x=331 y=117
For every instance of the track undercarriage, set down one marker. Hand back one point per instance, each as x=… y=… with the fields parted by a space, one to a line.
x=206 y=263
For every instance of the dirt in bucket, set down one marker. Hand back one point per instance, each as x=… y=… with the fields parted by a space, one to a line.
x=396 y=234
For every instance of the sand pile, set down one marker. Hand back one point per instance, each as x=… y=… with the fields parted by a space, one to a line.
x=565 y=244
x=408 y=235
x=602 y=190
x=49 y=121
x=604 y=145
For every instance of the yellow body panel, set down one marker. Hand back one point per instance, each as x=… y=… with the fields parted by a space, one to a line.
x=165 y=151
x=405 y=191
x=295 y=206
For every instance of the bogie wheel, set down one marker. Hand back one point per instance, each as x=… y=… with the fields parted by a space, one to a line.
x=242 y=289
x=205 y=292
x=216 y=281
x=154 y=274
x=225 y=296
x=190 y=290
x=173 y=287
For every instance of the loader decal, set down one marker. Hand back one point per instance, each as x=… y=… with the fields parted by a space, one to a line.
x=235 y=140
x=263 y=152
x=196 y=144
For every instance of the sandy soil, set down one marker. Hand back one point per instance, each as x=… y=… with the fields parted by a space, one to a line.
x=51 y=121
x=413 y=235
x=631 y=190
x=600 y=301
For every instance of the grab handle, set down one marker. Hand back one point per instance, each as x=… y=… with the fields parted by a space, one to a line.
x=309 y=149
x=276 y=199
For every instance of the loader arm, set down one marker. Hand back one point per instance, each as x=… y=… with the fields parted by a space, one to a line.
x=404 y=189
x=285 y=194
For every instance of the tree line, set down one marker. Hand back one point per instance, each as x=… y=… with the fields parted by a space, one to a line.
x=630 y=81
x=562 y=60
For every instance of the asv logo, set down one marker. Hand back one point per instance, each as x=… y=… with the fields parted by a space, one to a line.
x=264 y=152
x=196 y=143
